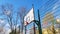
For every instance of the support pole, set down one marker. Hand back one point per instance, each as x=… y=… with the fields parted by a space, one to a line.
x=34 y=28
x=39 y=24
x=25 y=29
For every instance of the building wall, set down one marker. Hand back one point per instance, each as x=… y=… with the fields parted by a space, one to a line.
x=50 y=16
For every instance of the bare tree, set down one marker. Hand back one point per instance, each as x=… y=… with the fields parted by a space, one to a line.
x=7 y=10
x=21 y=12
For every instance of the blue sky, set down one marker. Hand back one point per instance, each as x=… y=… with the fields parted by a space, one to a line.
x=21 y=3
x=26 y=3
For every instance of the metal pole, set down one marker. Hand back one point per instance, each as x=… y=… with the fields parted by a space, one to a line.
x=34 y=27
x=34 y=18
x=25 y=29
x=39 y=24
